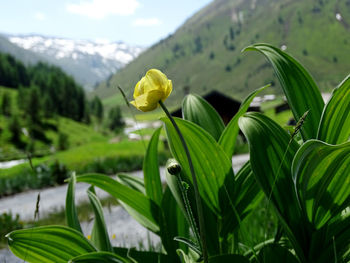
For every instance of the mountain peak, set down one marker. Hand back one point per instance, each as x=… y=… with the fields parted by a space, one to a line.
x=87 y=61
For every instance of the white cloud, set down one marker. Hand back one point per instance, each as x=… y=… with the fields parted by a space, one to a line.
x=39 y=16
x=99 y=9
x=147 y=22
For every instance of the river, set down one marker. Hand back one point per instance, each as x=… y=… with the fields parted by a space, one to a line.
x=123 y=229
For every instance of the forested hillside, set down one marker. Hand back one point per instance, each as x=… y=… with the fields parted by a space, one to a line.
x=42 y=109
x=205 y=53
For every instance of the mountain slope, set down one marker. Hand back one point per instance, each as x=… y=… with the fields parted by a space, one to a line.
x=26 y=56
x=87 y=61
x=205 y=53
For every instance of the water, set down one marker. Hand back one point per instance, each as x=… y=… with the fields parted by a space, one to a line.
x=123 y=230
x=9 y=164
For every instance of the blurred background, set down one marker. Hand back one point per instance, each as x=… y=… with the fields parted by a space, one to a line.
x=62 y=61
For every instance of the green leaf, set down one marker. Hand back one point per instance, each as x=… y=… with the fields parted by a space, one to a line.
x=247 y=192
x=245 y=198
x=173 y=224
x=140 y=203
x=273 y=253
x=131 y=181
x=210 y=162
x=322 y=175
x=99 y=235
x=195 y=247
x=153 y=184
x=338 y=235
x=100 y=257
x=199 y=111
x=71 y=210
x=228 y=258
x=334 y=126
x=228 y=137
x=271 y=154
x=298 y=86
x=48 y=244
x=141 y=256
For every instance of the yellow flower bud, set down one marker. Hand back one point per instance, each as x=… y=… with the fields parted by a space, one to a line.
x=152 y=88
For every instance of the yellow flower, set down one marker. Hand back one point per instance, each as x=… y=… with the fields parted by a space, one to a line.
x=152 y=88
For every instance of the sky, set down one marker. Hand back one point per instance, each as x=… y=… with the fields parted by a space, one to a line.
x=137 y=22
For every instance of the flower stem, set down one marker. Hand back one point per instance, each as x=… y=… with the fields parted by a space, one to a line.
x=195 y=186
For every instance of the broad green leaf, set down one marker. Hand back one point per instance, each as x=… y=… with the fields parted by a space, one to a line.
x=271 y=154
x=322 y=175
x=274 y=253
x=71 y=210
x=247 y=193
x=48 y=244
x=228 y=137
x=173 y=224
x=245 y=197
x=338 y=235
x=210 y=162
x=137 y=184
x=153 y=184
x=298 y=86
x=228 y=258
x=100 y=257
x=334 y=126
x=141 y=256
x=131 y=181
x=136 y=200
x=199 y=111
x=99 y=235
x=190 y=257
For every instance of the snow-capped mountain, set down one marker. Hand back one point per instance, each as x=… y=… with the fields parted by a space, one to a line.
x=87 y=61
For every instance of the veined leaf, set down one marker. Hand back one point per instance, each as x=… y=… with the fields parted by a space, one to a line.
x=228 y=137
x=228 y=258
x=247 y=193
x=322 y=175
x=338 y=236
x=298 y=86
x=271 y=154
x=210 y=162
x=271 y=157
x=273 y=253
x=131 y=181
x=173 y=224
x=134 y=183
x=99 y=235
x=136 y=200
x=71 y=210
x=100 y=257
x=245 y=197
x=48 y=244
x=141 y=256
x=334 y=126
x=153 y=184
x=198 y=110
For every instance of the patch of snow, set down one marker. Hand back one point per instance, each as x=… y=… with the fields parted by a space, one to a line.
x=69 y=48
